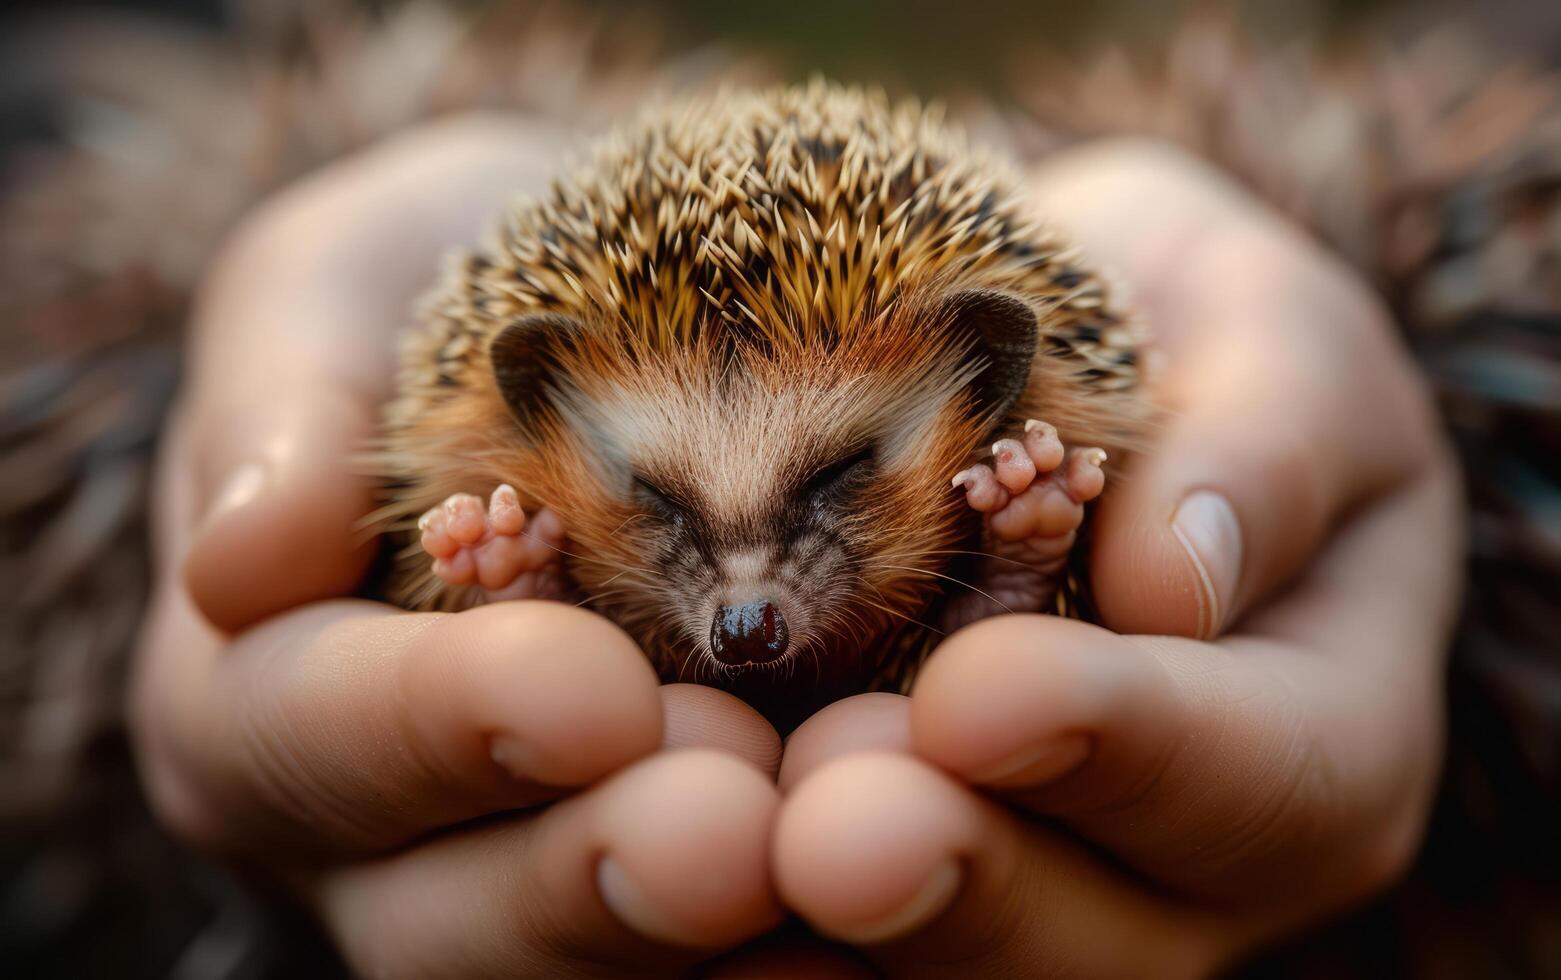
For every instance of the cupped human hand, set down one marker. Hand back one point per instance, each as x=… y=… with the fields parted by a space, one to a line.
x=506 y=791
x=1254 y=744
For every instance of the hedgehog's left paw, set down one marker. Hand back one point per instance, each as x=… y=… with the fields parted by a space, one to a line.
x=1033 y=498
x=496 y=547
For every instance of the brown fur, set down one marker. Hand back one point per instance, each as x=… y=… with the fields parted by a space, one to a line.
x=757 y=276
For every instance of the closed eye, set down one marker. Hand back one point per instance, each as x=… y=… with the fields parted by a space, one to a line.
x=661 y=501
x=840 y=476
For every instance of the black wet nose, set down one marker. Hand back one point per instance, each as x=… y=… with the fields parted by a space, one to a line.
x=753 y=633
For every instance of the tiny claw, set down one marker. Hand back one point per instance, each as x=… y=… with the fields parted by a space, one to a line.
x=505 y=515
x=466 y=517
x=963 y=479
x=982 y=489
x=1096 y=457
x=1044 y=445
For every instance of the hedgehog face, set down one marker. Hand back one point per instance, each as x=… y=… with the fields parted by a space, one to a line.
x=751 y=580
x=740 y=509
x=749 y=522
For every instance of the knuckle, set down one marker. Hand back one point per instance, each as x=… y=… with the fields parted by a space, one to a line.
x=1296 y=797
x=276 y=759
x=289 y=745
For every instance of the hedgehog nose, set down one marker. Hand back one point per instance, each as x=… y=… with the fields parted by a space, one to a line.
x=754 y=632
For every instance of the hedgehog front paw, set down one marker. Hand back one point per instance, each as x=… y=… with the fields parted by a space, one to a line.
x=1033 y=498
x=496 y=547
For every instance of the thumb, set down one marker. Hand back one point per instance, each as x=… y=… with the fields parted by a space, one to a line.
x=281 y=507
x=295 y=349
x=1290 y=404
x=1289 y=399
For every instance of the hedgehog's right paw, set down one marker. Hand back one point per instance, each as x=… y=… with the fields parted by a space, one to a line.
x=496 y=547
x=1035 y=491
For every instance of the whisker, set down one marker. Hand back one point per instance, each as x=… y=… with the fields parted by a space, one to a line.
x=626 y=522
x=914 y=622
x=885 y=607
x=979 y=554
x=950 y=578
x=599 y=596
x=554 y=547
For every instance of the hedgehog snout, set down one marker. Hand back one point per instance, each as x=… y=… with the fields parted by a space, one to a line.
x=750 y=633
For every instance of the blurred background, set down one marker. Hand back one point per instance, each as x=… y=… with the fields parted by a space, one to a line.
x=1420 y=140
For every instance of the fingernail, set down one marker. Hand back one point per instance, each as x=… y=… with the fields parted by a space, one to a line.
x=930 y=901
x=1207 y=528
x=241 y=487
x=628 y=903
x=1036 y=764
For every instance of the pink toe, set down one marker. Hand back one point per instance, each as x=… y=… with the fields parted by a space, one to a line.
x=438 y=544
x=982 y=491
x=543 y=542
x=1015 y=469
x=547 y=526
x=1057 y=513
x=1043 y=511
x=465 y=519
x=435 y=539
x=499 y=561
x=1085 y=478
x=505 y=515
x=536 y=551
x=432 y=520
x=1017 y=521
x=457 y=570
x=1043 y=444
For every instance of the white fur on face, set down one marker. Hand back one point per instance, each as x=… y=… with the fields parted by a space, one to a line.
x=738 y=445
x=736 y=451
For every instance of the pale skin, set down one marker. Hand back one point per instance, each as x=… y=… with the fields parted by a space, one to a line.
x=1254 y=747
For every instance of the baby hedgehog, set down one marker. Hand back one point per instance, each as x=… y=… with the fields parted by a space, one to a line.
x=716 y=384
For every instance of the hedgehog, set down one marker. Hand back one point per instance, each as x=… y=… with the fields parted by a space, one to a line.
x=788 y=384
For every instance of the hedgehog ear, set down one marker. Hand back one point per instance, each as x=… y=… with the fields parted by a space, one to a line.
x=1003 y=329
x=526 y=361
